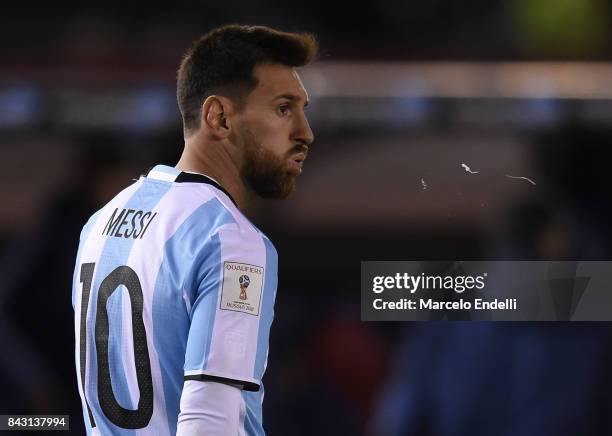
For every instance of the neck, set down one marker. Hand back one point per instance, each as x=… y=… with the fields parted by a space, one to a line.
x=214 y=160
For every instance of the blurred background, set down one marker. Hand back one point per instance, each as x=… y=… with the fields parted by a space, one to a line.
x=404 y=95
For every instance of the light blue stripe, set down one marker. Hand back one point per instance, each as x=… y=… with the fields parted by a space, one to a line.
x=206 y=281
x=253 y=423
x=114 y=306
x=76 y=278
x=203 y=311
x=267 y=312
x=191 y=261
x=115 y=253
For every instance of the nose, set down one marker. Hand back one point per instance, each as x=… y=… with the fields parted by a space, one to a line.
x=302 y=132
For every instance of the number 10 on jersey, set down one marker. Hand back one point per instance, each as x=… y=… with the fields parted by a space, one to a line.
x=118 y=415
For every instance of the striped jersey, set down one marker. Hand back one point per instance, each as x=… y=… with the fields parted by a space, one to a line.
x=172 y=282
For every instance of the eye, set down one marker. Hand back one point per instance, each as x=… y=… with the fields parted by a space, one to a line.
x=283 y=109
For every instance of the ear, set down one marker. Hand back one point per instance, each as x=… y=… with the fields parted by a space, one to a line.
x=215 y=115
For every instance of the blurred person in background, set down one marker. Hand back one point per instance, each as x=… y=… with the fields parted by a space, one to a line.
x=184 y=350
x=501 y=378
x=528 y=378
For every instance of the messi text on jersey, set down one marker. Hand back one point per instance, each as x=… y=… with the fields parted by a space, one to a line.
x=129 y=223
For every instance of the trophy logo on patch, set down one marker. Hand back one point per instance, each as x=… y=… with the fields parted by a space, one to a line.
x=244 y=282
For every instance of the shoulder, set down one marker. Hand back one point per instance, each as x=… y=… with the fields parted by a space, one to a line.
x=241 y=241
x=240 y=228
x=86 y=229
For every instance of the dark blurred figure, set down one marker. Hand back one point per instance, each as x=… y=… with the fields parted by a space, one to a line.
x=496 y=378
x=576 y=160
x=37 y=331
x=483 y=379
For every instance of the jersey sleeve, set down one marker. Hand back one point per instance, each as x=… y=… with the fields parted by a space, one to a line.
x=209 y=408
x=232 y=309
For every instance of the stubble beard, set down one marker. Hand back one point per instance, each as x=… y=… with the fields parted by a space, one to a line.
x=266 y=173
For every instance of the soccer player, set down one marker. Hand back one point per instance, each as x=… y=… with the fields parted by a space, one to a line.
x=174 y=287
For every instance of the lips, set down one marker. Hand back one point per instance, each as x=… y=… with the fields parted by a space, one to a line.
x=296 y=162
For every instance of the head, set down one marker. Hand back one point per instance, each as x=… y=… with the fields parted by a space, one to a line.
x=237 y=85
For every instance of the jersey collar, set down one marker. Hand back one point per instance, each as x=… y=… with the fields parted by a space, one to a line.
x=171 y=174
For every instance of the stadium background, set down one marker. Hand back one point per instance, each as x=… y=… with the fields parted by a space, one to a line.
x=403 y=94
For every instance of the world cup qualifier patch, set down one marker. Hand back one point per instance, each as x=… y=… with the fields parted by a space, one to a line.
x=242 y=286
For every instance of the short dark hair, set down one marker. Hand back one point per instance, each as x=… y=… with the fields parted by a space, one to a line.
x=222 y=62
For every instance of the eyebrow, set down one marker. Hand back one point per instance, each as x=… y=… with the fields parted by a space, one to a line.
x=291 y=97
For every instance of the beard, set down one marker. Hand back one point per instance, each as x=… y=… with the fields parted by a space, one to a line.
x=265 y=172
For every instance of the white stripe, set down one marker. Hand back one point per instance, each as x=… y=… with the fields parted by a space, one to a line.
x=242 y=244
x=91 y=252
x=146 y=258
x=159 y=175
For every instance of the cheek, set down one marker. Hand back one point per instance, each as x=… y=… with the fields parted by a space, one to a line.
x=274 y=139
x=271 y=131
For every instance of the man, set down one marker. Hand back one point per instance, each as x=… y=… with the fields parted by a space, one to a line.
x=174 y=288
